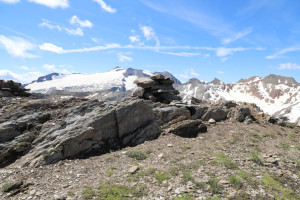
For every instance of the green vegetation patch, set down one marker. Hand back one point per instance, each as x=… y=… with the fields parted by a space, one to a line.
x=137 y=154
x=236 y=182
x=215 y=187
x=255 y=136
x=187 y=176
x=227 y=162
x=256 y=159
x=274 y=186
x=186 y=147
x=162 y=176
x=120 y=192
x=184 y=196
x=88 y=193
x=7 y=187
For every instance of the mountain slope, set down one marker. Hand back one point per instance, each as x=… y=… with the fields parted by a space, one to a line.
x=117 y=79
x=275 y=95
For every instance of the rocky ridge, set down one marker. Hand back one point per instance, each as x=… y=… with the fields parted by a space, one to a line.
x=190 y=153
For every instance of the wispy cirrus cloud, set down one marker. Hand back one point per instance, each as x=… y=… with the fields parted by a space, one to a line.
x=52 y=3
x=281 y=52
x=189 y=73
x=288 y=66
x=106 y=7
x=82 y=23
x=237 y=36
x=123 y=58
x=17 y=47
x=71 y=31
x=76 y=32
x=186 y=54
x=59 y=50
x=10 y=1
x=221 y=52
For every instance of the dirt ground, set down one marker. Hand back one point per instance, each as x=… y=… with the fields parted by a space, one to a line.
x=230 y=161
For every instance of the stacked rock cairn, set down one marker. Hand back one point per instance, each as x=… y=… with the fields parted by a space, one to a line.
x=13 y=87
x=156 y=88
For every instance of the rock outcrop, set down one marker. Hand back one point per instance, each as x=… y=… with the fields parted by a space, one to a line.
x=11 y=88
x=157 y=88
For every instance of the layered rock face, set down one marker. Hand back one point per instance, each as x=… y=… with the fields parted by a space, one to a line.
x=89 y=127
x=157 y=88
x=11 y=88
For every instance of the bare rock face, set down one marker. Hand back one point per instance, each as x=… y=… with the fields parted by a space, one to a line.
x=95 y=129
x=157 y=88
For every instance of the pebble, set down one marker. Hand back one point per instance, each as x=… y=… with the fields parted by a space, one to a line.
x=133 y=169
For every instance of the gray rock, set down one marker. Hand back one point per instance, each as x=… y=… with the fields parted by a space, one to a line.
x=138 y=92
x=158 y=77
x=242 y=114
x=129 y=122
x=197 y=111
x=188 y=128
x=170 y=113
x=211 y=121
x=215 y=113
x=144 y=82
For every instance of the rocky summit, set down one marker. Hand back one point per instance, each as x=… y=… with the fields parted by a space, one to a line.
x=156 y=88
x=79 y=148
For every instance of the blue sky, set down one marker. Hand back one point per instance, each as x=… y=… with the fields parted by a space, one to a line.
x=201 y=39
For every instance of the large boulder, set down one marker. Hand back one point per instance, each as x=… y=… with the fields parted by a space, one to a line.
x=144 y=82
x=167 y=114
x=243 y=113
x=97 y=130
x=216 y=113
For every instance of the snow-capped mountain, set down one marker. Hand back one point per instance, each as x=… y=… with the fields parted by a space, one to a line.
x=275 y=95
x=117 y=79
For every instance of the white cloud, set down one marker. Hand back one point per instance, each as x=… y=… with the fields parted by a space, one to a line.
x=52 y=3
x=149 y=34
x=82 y=23
x=49 y=67
x=57 y=68
x=50 y=25
x=77 y=31
x=289 y=66
x=24 y=68
x=51 y=47
x=105 y=7
x=135 y=38
x=185 y=54
x=123 y=58
x=189 y=73
x=222 y=51
x=220 y=72
x=193 y=73
x=23 y=78
x=283 y=51
x=56 y=49
x=237 y=36
x=10 y=1
x=17 y=47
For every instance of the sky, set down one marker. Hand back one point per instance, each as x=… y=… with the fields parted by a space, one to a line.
x=201 y=39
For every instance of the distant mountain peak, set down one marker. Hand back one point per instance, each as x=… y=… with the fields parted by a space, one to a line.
x=277 y=79
x=216 y=81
